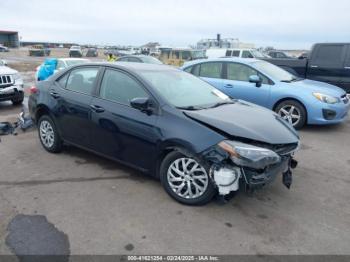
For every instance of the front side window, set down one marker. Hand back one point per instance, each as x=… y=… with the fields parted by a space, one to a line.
x=82 y=80
x=120 y=87
x=211 y=70
x=240 y=72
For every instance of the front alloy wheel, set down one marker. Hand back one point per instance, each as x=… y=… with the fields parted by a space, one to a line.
x=293 y=112
x=290 y=113
x=186 y=180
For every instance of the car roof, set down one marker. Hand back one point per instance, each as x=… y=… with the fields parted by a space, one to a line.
x=73 y=59
x=133 y=66
x=223 y=59
x=139 y=56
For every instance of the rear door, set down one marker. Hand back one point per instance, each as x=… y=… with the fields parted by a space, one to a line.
x=73 y=94
x=121 y=131
x=345 y=81
x=326 y=63
x=211 y=72
x=237 y=85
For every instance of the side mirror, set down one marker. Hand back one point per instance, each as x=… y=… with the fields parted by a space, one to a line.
x=255 y=79
x=143 y=104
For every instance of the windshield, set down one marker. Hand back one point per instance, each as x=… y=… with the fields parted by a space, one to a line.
x=274 y=71
x=184 y=90
x=151 y=60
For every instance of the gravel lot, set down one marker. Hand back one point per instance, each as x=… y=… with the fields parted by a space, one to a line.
x=102 y=207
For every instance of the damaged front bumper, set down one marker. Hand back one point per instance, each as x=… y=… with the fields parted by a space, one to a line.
x=13 y=92
x=229 y=177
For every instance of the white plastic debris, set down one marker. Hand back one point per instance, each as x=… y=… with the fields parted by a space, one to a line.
x=227 y=179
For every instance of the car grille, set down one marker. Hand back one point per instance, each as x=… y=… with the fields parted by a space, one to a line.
x=345 y=98
x=5 y=80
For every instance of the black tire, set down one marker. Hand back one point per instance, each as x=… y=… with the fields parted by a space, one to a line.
x=19 y=100
x=57 y=144
x=206 y=196
x=299 y=107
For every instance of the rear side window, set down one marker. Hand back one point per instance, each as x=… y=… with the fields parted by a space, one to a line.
x=120 y=87
x=211 y=70
x=82 y=80
x=247 y=54
x=228 y=53
x=235 y=53
x=329 y=55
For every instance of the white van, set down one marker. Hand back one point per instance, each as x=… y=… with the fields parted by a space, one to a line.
x=245 y=53
x=235 y=52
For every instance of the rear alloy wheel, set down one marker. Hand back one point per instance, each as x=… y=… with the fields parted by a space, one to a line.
x=48 y=135
x=186 y=180
x=293 y=112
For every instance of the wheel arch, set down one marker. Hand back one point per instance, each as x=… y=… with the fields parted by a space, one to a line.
x=170 y=146
x=294 y=99
x=40 y=111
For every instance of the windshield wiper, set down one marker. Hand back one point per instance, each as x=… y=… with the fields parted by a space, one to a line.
x=222 y=103
x=291 y=80
x=189 y=108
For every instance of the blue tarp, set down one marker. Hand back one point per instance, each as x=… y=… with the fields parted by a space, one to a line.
x=47 y=68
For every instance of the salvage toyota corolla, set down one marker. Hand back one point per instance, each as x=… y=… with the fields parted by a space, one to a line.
x=167 y=123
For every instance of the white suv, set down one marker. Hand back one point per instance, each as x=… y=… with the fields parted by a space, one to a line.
x=11 y=84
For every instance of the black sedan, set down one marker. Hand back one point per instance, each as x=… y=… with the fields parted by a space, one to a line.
x=166 y=123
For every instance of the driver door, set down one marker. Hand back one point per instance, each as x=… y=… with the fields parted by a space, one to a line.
x=237 y=85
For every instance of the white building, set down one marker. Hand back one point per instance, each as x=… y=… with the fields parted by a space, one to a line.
x=223 y=43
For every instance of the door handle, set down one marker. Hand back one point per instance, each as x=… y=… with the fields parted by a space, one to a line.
x=228 y=86
x=347 y=67
x=314 y=66
x=54 y=94
x=97 y=109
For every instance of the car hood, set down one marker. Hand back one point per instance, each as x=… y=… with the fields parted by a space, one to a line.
x=316 y=86
x=246 y=120
x=8 y=71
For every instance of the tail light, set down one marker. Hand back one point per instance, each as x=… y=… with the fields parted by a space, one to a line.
x=33 y=90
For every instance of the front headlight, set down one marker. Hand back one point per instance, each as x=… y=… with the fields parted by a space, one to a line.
x=326 y=98
x=249 y=155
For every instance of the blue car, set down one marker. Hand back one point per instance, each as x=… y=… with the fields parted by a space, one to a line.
x=299 y=101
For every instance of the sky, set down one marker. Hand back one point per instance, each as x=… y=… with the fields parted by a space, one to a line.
x=292 y=24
